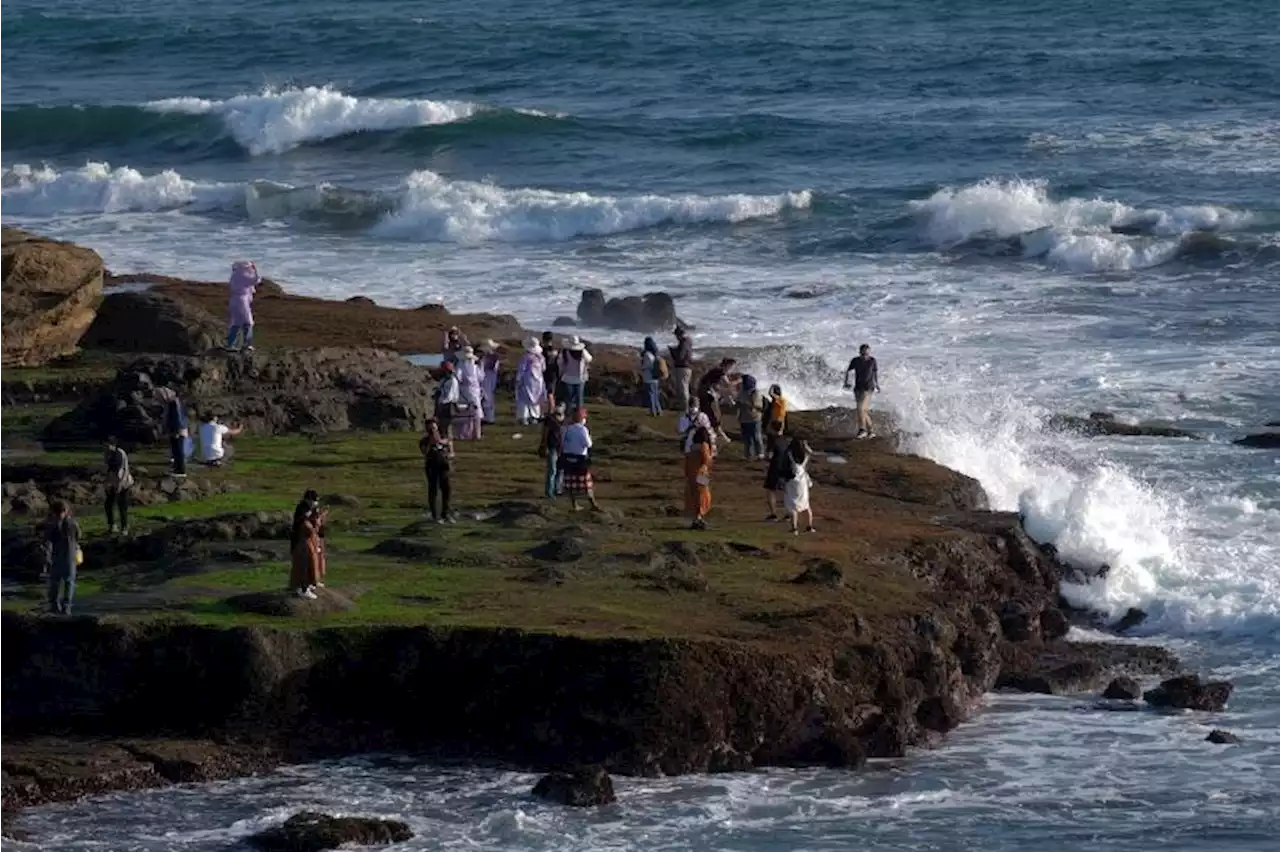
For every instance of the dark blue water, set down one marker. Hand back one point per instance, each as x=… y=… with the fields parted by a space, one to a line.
x=1026 y=207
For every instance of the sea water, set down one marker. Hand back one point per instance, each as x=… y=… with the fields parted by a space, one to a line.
x=1025 y=208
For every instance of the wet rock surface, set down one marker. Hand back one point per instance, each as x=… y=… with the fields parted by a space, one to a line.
x=315 y=832
x=1260 y=441
x=1123 y=689
x=1219 y=737
x=1101 y=424
x=581 y=788
x=1189 y=692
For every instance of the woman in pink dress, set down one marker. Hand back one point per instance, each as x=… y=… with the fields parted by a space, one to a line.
x=244 y=281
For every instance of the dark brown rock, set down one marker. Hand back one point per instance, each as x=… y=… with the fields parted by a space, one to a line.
x=591 y=307
x=361 y=300
x=147 y=322
x=287 y=604
x=821 y=572
x=50 y=292
x=563 y=322
x=1019 y=621
x=561 y=549
x=1060 y=667
x=313 y=832
x=1092 y=427
x=1123 y=689
x=1053 y=623
x=1188 y=692
x=1222 y=738
x=1131 y=619
x=408 y=550
x=581 y=788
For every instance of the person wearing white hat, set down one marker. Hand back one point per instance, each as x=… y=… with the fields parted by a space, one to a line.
x=574 y=363
x=471 y=408
x=530 y=387
x=490 y=366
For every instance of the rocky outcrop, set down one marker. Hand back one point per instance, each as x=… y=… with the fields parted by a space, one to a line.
x=307 y=390
x=1123 y=689
x=1066 y=668
x=313 y=832
x=1219 y=737
x=1101 y=423
x=648 y=313
x=50 y=292
x=582 y=788
x=1189 y=692
x=148 y=322
x=1260 y=441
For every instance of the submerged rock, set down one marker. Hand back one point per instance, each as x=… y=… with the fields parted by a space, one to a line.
x=1188 y=692
x=1131 y=619
x=313 y=832
x=1123 y=689
x=1222 y=737
x=582 y=788
x=1096 y=425
x=1260 y=441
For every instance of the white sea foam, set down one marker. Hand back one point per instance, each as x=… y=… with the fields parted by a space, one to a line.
x=277 y=120
x=437 y=209
x=99 y=188
x=1073 y=233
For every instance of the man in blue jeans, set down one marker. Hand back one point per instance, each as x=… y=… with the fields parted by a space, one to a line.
x=62 y=536
x=175 y=424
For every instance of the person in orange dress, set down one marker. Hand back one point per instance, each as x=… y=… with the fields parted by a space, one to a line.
x=697 y=476
x=307 y=546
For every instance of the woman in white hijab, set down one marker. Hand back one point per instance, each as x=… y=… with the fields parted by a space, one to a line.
x=530 y=386
x=467 y=425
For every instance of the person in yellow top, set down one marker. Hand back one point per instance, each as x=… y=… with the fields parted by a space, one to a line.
x=775 y=410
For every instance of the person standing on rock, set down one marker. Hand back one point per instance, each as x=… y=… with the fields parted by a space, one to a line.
x=214 y=452
x=779 y=467
x=244 y=283
x=530 y=384
x=795 y=490
x=550 y=372
x=651 y=369
x=750 y=414
x=118 y=485
x=866 y=381
x=437 y=459
x=697 y=477
x=305 y=546
x=62 y=537
x=490 y=368
x=576 y=448
x=682 y=366
x=550 y=448
x=467 y=426
x=575 y=362
x=175 y=425
x=775 y=411
x=716 y=384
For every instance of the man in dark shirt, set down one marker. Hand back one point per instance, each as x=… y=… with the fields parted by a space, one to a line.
x=716 y=384
x=175 y=424
x=866 y=381
x=682 y=366
x=551 y=372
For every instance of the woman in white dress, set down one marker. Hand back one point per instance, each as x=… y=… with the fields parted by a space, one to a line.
x=795 y=494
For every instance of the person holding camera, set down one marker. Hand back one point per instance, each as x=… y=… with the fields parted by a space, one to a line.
x=306 y=546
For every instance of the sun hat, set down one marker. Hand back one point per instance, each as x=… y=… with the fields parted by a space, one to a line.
x=576 y=344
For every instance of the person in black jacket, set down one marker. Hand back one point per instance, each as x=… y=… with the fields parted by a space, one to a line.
x=62 y=538
x=175 y=426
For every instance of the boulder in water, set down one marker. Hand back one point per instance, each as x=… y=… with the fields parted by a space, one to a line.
x=582 y=788
x=1188 y=692
x=51 y=290
x=1094 y=426
x=1131 y=619
x=313 y=832
x=1260 y=441
x=1123 y=689
x=591 y=307
x=1222 y=737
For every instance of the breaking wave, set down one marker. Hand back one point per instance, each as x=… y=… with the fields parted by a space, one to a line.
x=426 y=207
x=1018 y=217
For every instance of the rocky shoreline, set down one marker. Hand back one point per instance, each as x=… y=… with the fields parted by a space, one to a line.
x=862 y=644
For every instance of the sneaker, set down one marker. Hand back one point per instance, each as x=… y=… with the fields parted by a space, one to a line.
x=871 y=434
x=124 y=531
x=452 y=519
x=771 y=519
x=321 y=585
x=112 y=529
x=862 y=433
x=309 y=595
x=440 y=521
x=179 y=476
x=249 y=348
x=811 y=530
x=302 y=593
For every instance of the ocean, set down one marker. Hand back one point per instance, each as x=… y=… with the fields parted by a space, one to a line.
x=1025 y=208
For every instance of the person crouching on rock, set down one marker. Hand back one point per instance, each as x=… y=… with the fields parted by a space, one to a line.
x=467 y=424
x=214 y=452
x=530 y=383
x=118 y=486
x=62 y=537
x=437 y=458
x=306 y=547
x=244 y=283
x=576 y=460
x=697 y=476
x=550 y=448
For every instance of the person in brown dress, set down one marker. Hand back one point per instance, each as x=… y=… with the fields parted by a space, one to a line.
x=697 y=478
x=307 y=546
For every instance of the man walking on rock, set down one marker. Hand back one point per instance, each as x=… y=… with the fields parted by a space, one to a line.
x=866 y=381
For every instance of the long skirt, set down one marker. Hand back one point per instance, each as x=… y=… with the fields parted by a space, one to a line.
x=697 y=497
x=305 y=570
x=577 y=474
x=795 y=494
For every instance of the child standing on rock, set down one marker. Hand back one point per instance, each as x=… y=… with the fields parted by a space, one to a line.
x=244 y=282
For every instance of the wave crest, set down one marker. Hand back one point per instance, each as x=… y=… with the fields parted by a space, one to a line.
x=427 y=207
x=276 y=121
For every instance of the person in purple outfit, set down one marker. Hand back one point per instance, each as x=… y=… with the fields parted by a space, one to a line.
x=244 y=282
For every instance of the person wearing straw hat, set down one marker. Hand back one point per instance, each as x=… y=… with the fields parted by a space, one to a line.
x=530 y=387
x=575 y=361
x=490 y=366
x=470 y=409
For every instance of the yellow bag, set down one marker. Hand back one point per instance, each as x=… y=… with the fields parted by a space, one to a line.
x=79 y=556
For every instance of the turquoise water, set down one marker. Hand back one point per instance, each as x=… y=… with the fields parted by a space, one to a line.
x=1025 y=207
